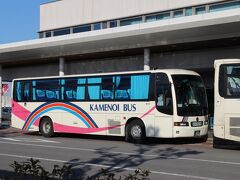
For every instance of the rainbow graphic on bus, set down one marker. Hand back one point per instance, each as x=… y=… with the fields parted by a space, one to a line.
x=66 y=106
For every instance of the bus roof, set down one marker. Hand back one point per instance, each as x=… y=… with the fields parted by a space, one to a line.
x=167 y=71
x=225 y=61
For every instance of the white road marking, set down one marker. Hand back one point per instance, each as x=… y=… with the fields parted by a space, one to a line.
x=31 y=140
x=10 y=139
x=123 y=153
x=107 y=166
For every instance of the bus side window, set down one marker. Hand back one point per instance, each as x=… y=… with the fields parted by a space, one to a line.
x=164 y=101
x=134 y=87
x=139 y=87
x=26 y=91
x=123 y=85
x=18 y=91
x=107 y=88
x=221 y=84
x=94 y=87
x=45 y=90
x=233 y=80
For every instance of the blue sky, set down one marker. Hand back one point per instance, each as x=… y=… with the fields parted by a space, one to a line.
x=19 y=20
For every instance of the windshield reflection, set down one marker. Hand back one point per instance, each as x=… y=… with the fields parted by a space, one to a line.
x=191 y=95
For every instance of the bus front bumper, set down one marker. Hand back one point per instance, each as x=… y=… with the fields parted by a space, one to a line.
x=181 y=132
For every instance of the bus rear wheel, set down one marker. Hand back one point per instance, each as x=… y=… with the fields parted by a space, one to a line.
x=135 y=132
x=46 y=127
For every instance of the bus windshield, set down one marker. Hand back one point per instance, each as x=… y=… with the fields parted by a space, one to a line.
x=190 y=95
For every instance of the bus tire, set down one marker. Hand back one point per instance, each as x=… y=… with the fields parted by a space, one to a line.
x=135 y=132
x=204 y=139
x=46 y=127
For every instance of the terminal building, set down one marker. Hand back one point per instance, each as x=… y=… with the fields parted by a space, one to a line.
x=91 y=36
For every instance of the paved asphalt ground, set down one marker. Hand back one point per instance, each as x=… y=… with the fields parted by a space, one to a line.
x=164 y=158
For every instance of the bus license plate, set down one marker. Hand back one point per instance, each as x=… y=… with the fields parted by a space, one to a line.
x=197 y=123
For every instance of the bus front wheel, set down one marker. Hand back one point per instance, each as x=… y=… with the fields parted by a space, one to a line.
x=135 y=132
x=46 y=127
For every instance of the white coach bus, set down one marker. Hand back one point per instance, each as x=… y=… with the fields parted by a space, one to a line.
x=158 y=103
x=227 y=103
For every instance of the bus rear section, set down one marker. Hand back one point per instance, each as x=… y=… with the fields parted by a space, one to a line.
x=227 y=104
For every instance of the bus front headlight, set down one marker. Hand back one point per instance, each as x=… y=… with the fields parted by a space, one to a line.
x=206 y=122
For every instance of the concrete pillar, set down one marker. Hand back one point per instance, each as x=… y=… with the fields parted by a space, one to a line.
x=146 y=59
x=1 y=94
x=61 y=66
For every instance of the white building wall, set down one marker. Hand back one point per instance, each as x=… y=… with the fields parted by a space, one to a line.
x=66 y=13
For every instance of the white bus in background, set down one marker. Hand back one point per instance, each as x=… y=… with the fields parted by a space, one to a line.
x=158 y=103
x=227 y=103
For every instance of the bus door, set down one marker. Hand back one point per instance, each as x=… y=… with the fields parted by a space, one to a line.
x=164 y=105
x=227 y=102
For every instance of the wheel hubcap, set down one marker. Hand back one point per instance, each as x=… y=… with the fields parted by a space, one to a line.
x=136 y=131
x=46 y=127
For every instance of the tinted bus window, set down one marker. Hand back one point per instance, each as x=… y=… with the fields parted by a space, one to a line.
x=232 y=85
x=107 y=91
x=191 y=95
x=139 y=87
x=73 y=89
x=46 y=90
x=94 y=86
x=135 y=87
x=18 y=91
x=164 y=100
x=123 y=85
x=26 y=91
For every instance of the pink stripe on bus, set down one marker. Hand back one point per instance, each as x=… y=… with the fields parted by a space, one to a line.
x=148 y=112
x=79 y=130
x=21 y=112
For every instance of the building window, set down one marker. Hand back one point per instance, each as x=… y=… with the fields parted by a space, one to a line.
x=61 y=32
x=178 y=13
x=200 y=10
x=157 y=17
x=113 y=24
x=224 y=6
x=48 y=34
x=41 y=35
x=80 y=29
x=97 y=26
x=104 y=25
x=151 y=18
x=136 y=20
x=189 y=11
x=164 y=16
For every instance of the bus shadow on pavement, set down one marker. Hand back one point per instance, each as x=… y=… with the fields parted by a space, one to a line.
x=148 y=141
x=119 y=163
x=6 y=131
